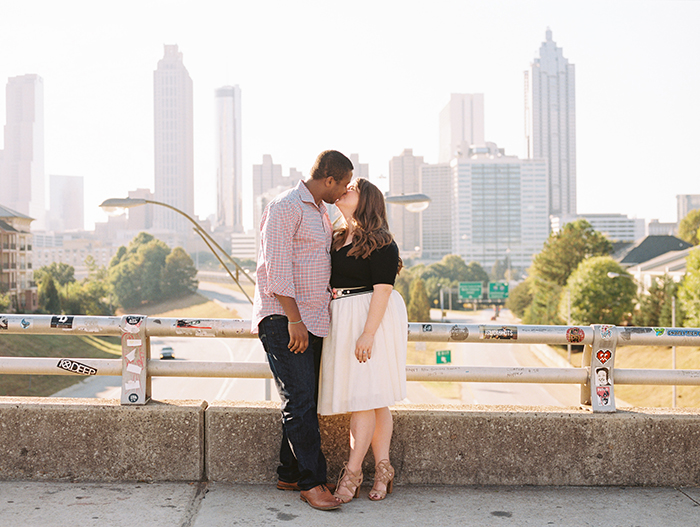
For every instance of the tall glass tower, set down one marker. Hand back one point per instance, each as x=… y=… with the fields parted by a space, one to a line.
x=554 y=125
x=229 y=168
x=174 y=141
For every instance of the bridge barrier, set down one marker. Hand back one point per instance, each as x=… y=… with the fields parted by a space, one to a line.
x=103 y=440
x=597 y=378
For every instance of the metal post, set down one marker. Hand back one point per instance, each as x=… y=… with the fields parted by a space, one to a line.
x=673 y=323
x=442 y=304
x=136 y=350
x=568 y=321
x=602 y=361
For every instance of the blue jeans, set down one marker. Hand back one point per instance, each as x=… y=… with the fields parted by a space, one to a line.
x=296 y=376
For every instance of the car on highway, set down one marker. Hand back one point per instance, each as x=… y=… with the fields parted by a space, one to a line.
x=167 y=353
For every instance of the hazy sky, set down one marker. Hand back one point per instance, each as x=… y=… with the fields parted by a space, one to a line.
x=366 y=77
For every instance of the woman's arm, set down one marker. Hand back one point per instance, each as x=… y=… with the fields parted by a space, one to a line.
x=377 y=308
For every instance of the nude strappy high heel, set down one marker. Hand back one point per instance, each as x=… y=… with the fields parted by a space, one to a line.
x=383 y=473
x=350 y=481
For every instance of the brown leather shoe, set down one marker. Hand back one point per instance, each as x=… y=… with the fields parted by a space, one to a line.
x=320 y=498
x=285 y=485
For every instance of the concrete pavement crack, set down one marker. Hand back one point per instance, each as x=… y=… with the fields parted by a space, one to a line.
x=194 y=505
x=687 y=496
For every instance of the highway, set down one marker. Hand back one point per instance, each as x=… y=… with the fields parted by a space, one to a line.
x=250 y=350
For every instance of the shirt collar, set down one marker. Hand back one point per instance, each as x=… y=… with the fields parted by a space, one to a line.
x=307 y=197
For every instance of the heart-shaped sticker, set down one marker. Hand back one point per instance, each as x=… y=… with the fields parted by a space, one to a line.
x=603 y=356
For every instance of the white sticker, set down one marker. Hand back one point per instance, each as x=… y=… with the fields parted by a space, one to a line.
x=132 y=385
x=134 y=369
x=130 y=356
x=133 y=342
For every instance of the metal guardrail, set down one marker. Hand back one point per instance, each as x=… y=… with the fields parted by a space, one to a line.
x=597 y=378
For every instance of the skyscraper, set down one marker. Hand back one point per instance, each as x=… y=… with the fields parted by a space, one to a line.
x=22 y=171
x=553 y=126
x=499 y=207
x=436 y=238
x=229 y=165
x=461 y=125
x=174 y=141
x=67 y=208
x=359 y=169
x=404 y=178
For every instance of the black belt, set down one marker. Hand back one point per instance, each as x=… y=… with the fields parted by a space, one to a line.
x=340 y=292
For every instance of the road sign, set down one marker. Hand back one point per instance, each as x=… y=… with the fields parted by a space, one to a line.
x=470 y=290
x=443 y=357
x=498 y=290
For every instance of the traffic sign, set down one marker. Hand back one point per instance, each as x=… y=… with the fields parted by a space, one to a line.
x=470 y=290
x=443 y=357
x=498 y=290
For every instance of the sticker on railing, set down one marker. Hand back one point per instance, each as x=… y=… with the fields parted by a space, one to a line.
x=133 y=397
x=606 y=332
x=683 y=333
x=427 y=328
x=132 y=385
x=133 y=368
x=3 y=323
x=459 y=333
x=62 y=322
x=602 y=377
x=575 y=335
x=195 y=324
x=498 y=332
x=603 y=394
x=603 y=356
x=133 y=343
x=133 y=322
x=76 y=367
x=659 y=331
x=25 y=323
x=626 y=333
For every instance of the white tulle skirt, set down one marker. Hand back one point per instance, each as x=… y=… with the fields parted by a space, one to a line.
x=347 y=385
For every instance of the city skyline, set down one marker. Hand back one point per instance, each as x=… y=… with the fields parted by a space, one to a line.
x=637 y=109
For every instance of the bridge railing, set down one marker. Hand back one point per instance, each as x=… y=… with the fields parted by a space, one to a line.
x=597 y=377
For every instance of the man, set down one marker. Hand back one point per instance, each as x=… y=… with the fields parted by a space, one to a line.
x=291 y=314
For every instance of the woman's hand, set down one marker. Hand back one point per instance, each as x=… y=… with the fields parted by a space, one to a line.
x=363 y=347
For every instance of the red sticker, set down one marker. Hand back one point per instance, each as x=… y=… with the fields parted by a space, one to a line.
x=603 y=356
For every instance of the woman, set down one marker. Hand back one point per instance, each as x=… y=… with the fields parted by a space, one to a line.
x=363 y=364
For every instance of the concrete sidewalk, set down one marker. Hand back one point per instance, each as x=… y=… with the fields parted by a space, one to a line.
x=58 y=504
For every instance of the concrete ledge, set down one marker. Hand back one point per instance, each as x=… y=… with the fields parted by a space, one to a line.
x=100 y=440
x=238 y=442
x=479 y=445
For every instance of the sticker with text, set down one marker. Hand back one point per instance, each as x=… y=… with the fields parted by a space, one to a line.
x=76 y=367
x=459 y=333
x=498 y=332
x=603 y=393
x=62 y=322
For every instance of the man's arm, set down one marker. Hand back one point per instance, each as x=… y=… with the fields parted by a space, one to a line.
x=298 y=334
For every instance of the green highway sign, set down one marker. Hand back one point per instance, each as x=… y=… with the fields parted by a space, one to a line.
x=498 y=290
x=470 y=290
x=443 y=357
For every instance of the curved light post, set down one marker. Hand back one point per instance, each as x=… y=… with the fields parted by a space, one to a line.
x=412 y=202
x=127 y=203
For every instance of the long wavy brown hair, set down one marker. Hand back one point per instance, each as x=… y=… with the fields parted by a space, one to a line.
x=370 y=226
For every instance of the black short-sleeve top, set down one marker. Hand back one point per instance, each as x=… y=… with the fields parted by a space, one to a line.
x=380 y=267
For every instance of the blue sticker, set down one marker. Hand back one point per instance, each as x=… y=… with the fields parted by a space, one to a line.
x=659 y=331
x=25 y=323
x=683 y=333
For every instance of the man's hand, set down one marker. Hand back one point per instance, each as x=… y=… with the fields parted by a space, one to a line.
x=298 y=337
x=363 y=347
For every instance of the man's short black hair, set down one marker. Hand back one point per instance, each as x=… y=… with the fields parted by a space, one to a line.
x=331 y=163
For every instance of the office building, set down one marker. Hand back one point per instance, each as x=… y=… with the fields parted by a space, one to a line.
x=267 y=176
x=22 y=178
x=404 y=178
x=359 y=169
x=461 y=125
x=67 y=205
x=499 y=207
x=552 y=131
x=140 y=218
x=436 y=222
x=617 y=227
x=686 y=203
x=174 y=143
x=229 y=166
x=16 y=262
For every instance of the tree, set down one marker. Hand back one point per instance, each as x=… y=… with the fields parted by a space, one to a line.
x=565 y=250
x=419 y=307
x=655 y=306
x=544 y=308
x=5 y=303
x=49 y=301
x=689 y=228
x=519 y=298
x=597 y=298
x=179 y=276
x=62 y=273
x=689 y=291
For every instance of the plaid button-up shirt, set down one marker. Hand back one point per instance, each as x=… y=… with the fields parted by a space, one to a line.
x=294 y=259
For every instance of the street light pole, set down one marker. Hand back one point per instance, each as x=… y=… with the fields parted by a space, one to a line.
x=126 y=203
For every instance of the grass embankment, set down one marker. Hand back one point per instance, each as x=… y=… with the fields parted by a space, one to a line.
x=88 y=346
x=652 y=358
x=445 y=390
